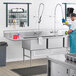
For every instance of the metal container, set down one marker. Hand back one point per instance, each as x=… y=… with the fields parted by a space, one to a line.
x=71 y=57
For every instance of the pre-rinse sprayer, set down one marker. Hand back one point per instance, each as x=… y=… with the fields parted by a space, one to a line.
x=40 y=15
x=55 y=15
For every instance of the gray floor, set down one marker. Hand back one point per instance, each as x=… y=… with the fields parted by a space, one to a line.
x=6 y=71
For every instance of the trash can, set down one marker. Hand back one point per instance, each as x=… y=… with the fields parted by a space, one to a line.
x=3 y=46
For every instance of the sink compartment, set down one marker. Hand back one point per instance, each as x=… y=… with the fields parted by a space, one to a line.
x=55 y=42
x=31 y=34
x=33 y=44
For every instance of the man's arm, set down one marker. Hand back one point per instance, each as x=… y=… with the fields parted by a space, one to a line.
x=68 y=24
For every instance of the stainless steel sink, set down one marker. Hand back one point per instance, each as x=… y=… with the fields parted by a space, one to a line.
x=29 y=34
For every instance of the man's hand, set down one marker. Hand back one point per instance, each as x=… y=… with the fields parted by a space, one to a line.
x=69 y=31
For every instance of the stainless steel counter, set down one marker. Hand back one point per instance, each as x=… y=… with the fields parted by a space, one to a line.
x=30 y=34
x=60 y=60
x=32 y=38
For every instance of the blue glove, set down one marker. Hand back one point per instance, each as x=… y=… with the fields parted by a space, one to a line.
x=63 y=20
x=66 y=32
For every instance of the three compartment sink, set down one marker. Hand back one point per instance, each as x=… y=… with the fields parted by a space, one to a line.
x=28 y=34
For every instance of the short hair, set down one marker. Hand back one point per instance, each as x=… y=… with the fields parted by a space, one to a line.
x=73 y=15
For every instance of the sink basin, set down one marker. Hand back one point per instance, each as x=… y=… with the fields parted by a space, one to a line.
x=47 y=33
x=31 y=34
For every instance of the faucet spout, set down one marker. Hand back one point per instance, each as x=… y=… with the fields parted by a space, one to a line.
x=55 y=15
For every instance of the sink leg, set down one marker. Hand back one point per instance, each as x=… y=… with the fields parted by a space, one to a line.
x=30 y=58
x=23 y=55
x=27 y=56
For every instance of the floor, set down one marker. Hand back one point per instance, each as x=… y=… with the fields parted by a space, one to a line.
x=5 y=71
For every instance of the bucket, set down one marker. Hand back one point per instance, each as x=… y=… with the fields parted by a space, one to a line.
x=15 y=36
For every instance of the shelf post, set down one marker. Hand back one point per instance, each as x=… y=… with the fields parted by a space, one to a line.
x=28 y=14
x=66 y=11
x=6 y=15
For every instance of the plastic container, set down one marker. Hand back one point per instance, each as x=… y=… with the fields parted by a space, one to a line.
x=15 y=36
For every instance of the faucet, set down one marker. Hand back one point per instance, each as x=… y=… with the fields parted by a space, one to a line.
x=55 y=16
x=40 y=16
